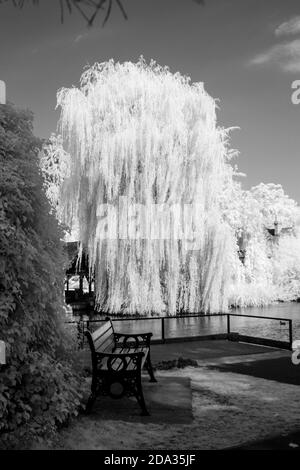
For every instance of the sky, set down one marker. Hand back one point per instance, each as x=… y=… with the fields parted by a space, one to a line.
x=247 y=53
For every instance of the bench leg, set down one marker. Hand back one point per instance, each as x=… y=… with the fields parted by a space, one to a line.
x=92 y=397
x=90 y=402
x=140 y=396
x=149 y=368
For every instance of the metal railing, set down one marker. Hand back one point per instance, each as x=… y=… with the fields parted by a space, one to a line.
x=277 y=342
x=196 y=327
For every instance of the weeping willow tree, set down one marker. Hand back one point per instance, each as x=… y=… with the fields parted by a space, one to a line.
x=144 y=147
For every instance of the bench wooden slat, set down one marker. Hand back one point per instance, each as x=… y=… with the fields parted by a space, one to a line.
x=103 y=346
x=103 y=336
x=143 y=349
x=131 y=350
x=102 y=330
x=109 y=347
x=122 y=351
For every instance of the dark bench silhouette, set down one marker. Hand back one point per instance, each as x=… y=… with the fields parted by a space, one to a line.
x=117 y=361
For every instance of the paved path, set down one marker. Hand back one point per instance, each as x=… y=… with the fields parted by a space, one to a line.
x=227 y=356
x=211 y=351
x=284 y=442
x=256 y=361
x=276 y=367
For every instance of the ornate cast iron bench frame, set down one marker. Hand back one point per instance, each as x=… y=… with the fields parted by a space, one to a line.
x=117 y=361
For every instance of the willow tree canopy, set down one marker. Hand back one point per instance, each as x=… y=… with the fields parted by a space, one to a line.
x=146 y=167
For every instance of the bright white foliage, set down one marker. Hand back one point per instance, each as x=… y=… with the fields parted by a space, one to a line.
x=143 y=133
x=286 y=265
x=271 y=270
x=54 y=165
x=139 y=132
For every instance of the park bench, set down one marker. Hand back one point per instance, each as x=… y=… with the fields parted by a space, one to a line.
x=117 y=362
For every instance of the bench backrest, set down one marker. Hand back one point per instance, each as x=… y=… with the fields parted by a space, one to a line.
x=102 y=340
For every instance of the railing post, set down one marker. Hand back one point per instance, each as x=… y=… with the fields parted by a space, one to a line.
x=291 y=333
x=228 y=323
x=163 y=329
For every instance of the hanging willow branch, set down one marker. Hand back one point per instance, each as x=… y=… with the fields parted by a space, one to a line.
x=88 y=9
x=144 y=157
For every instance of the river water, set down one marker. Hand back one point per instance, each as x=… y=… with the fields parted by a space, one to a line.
x=275 y=329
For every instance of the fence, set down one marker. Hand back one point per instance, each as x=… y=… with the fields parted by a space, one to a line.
x=268 y=331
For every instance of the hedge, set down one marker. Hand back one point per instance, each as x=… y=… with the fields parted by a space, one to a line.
x=39 y=388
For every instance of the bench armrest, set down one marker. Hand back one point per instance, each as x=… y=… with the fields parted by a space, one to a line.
x=117 y=362
x=121 y=355
x=132 y=341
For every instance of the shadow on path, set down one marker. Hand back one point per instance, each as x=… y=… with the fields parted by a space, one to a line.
x=280 y=369
x=169 y=401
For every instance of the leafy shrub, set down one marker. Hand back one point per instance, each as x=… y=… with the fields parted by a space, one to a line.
x=38 y=387
x=179 y=363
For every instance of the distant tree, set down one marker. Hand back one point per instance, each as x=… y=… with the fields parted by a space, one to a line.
x=275 y=205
